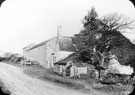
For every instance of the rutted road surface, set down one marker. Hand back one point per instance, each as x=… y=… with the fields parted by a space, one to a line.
x=20 y=84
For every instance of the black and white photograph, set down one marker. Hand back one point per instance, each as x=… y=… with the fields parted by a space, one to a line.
x=67 y=47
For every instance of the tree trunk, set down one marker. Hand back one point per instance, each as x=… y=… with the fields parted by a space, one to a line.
x=99 y=74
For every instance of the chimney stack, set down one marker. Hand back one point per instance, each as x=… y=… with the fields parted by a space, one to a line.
x=59 y=30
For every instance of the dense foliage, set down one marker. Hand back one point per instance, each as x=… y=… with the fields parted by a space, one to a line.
x=103 y=35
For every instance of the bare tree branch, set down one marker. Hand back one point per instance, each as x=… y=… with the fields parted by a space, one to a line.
x=117 y=22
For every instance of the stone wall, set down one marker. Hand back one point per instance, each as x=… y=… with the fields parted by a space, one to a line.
x=45 y=54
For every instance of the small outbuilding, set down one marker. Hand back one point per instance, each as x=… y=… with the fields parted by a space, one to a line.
x=71 y=67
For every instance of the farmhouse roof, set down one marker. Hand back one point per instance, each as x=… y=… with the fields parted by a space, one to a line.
x=71 y=57
x=40 y=44
x=65 y=43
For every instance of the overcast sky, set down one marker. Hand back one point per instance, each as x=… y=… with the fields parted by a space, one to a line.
x=23 y=22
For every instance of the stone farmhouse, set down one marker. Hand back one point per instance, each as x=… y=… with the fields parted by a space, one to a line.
x=50 y=51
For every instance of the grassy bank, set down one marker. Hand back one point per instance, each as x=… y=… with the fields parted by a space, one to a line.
x=85 y=85
x=49 y=75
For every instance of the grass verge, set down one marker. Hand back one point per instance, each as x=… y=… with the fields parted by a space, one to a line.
x=49 y=75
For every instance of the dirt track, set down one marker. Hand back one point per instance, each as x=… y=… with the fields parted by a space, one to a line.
x=20 y=84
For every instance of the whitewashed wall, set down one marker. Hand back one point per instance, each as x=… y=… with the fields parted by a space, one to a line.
x=43 y=54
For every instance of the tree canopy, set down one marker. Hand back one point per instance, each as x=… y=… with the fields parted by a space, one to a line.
x=103 y=35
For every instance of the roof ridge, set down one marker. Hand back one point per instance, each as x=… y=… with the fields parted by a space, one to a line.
x=44 y=42
x=40 y=44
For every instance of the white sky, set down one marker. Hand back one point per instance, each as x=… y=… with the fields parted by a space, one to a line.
x=23 y=22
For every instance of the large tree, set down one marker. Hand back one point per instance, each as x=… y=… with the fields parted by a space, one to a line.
x=84 y=42
x=102 y=35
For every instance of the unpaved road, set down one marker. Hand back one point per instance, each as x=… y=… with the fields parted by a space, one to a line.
x=20 y=84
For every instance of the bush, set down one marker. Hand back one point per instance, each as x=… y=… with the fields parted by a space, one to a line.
x=16 y=59
x=111 y=78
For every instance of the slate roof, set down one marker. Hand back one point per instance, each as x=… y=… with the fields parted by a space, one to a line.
x=29 y=46
x=40 y=44
x=71 y=57
x=65 y=43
